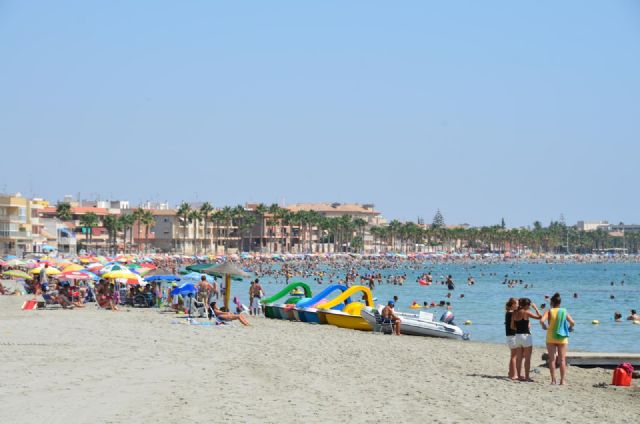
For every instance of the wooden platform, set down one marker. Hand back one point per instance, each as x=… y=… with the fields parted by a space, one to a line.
x=597 y=359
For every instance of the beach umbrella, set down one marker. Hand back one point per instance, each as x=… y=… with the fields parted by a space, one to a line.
x=73 y=275
x=17 y=274
x=185 y=288
x=228 y=270
x=49 y=271
x=16 y=262
x=119 y=274
x=162 y=278
x=114 y=267
x=72 y=267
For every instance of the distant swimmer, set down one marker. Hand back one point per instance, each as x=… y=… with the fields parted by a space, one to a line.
x=634 y=316
x=450 y=283
x=617 y=317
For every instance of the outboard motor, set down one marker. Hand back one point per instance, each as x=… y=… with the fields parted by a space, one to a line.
x=447 y=317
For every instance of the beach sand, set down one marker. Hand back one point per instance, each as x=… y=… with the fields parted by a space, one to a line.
x=135 y=366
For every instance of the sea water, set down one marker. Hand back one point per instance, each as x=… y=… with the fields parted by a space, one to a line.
x=483 y=302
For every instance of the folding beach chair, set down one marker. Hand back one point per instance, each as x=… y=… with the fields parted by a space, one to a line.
x=383 y=325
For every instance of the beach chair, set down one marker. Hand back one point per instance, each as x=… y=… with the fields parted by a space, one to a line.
x=384 y=326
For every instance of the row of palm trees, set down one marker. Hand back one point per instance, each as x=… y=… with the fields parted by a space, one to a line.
x=280 y=230
x=116 y=226
x=556 y=238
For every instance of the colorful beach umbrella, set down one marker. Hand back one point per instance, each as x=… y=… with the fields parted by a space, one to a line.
x=119 y=274
x=15 y=273
x=73 y=275
x=72 y=267
x=49 y=271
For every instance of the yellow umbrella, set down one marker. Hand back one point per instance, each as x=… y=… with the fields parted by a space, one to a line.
x=50 y=271
x=73 y=267
x=119 y=274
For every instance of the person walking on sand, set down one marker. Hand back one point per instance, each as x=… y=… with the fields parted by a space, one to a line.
x=511 y=307
x=523 y=339
x=559 y=325
x=256 y=294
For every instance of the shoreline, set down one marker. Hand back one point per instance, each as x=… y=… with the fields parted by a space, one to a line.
x=136 y=366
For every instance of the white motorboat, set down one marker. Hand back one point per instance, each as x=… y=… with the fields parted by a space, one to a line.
x=422 y=324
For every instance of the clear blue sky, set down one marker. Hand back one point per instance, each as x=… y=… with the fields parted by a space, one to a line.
x=483 y=109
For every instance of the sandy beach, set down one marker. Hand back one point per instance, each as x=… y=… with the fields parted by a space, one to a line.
x=137 y=365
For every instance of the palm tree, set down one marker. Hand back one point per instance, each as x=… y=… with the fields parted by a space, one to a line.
x=88 y=222
x=261 y=210
x=205 y=212
x=227 y=216
x=361 y=224
x=275 y=211
x=127 y=225
x=217 y=218
x=63 y=211
x=248 y=222
x=394 y=228
x=194 y=217
x=137 y=215
x=113 y=225
x=148 y=220
x=184 y=210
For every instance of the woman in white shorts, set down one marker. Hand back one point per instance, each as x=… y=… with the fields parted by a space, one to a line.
x=523 y=339
x=510 y=308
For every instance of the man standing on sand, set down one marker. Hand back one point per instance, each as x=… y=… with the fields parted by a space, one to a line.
x=388 y=315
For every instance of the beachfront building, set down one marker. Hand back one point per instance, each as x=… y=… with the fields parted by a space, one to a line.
x=73 y=232
x=193 y=233
x=313 y=228
x=20 y=228
x=592 y=225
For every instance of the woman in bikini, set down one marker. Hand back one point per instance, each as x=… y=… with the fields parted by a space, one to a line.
x=227 y=316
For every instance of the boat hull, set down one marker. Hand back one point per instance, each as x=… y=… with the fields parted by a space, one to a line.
x=342 y=320
x=309 y=315
x=412 y=326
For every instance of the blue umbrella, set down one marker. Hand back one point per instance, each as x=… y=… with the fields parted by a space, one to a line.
x=185 y=288
x=162 y=278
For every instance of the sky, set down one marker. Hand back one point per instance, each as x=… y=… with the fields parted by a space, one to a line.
x=524 y=110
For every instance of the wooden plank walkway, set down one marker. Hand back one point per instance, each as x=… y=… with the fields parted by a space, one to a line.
x=598 y=359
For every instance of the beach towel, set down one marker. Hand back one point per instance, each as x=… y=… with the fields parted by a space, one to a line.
x=562 y=325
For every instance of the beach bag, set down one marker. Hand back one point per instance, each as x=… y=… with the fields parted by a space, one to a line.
x=622 y=375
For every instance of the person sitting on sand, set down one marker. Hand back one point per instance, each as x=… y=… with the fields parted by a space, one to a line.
x=634 y=316
x=105 y=300
x=389 y=316
x=227 y=316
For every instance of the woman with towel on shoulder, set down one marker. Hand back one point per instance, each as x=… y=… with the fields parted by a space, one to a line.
x=559 y=325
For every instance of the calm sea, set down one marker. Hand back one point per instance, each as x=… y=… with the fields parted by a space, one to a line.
x=483 y=303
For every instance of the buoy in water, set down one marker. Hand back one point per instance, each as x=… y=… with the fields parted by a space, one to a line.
x=468 y=322
x=595 y=322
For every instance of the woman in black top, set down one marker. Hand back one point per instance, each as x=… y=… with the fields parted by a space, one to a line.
x=510 y=307
x=524 y=341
